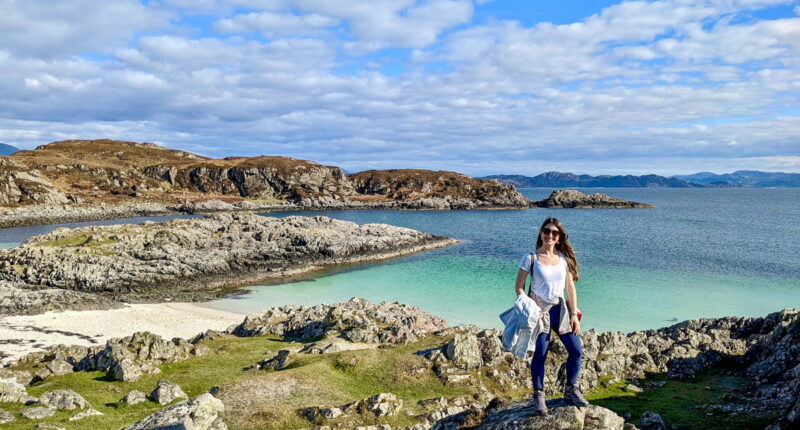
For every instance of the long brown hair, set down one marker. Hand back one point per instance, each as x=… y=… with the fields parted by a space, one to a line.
x=563 y=246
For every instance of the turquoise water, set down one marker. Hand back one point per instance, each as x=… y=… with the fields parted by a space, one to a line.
x=700 y=253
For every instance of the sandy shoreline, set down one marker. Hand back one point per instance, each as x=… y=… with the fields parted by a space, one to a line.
x=20 y=335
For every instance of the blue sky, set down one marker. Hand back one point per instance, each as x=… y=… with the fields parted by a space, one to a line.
x=475 y=86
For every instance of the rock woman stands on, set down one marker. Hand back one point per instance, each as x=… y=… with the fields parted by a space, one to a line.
x=554 y=270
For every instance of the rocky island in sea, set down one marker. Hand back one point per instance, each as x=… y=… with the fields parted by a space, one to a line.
x=186 y=259
x=572 y=199
x=359 y=365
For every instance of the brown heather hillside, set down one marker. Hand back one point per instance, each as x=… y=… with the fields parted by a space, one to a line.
x=403 y=184
x=112 y=171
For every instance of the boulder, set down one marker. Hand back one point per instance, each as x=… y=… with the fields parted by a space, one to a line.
x=134 y=397
x=56 y=367
x=37 y=412
x=652 y=421
x=200 y=413
x=85 y=414
x=21 y=376
x=12 y=391
x=464 y=351
x=166 y=392
x=277 y=362
x=63 y=400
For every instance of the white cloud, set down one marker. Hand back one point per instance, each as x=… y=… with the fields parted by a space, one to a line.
x=631 y=85
x=63 y=28
x=274 y=24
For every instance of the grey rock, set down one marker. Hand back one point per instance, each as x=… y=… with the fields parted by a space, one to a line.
x=12 y=391
x=560 y=199
x=197 y=259
x=49 y=426
x=356 y=320
x=63 y=400
x=56 y=367
x=37 y=413
x=85 y=414
x=633 y=388
x=18 y=298
x=464 y=351
x=134 y=397
x=652 y=421
x=278 y=362
x=200 y=413
x=166 y=392
x=21 y=376
x=382 y=405
x=6 y=417
x=331 y=413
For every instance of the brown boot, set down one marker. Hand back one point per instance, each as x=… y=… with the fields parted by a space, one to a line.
x=573 y=395
x=538 y=402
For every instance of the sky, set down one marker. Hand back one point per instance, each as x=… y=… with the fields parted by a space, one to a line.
x=475 y=86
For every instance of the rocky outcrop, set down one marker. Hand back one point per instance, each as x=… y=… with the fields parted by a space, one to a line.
x=22 y=185
x=24 y=299
x=199 y=258
x=144 y=178
x=521 y=415
x=200 y=413
x=37 y=413
x=12 y=391
x=356 y=320
x=563 y=199
x=437 y=189
x=64 y=400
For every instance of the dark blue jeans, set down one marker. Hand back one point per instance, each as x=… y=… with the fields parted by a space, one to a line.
x=570 y=341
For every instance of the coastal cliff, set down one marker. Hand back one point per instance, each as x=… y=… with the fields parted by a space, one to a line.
x=190 y=259
x=391 y=366
x=90 y=178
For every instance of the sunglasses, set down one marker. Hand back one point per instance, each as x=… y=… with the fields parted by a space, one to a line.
x=545 y=231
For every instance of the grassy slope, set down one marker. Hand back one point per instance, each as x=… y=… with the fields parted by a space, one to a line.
x=265 y=399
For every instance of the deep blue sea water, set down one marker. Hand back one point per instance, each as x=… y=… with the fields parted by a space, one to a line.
x=699 y=253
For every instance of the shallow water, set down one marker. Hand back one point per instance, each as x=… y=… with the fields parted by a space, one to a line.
x=700 y=253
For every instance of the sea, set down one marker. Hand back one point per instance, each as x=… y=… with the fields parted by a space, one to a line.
x=700 y=253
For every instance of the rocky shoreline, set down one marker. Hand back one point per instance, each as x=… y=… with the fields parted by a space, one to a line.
x=192 y=259
x=463 y=359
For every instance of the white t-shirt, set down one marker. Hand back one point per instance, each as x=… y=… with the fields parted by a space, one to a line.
x=549 y=282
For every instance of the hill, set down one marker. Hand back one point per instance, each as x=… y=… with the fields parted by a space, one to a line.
x=559 y=180
x=746 y=178
x=7 y=149
x=116 y=172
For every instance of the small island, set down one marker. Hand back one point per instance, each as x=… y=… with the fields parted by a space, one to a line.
x=572 y=199
x=193 y=259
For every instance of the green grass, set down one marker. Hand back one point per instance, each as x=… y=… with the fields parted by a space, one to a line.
x=320 y=380
x=77 y=241
x=274 y=397
x=680 y=403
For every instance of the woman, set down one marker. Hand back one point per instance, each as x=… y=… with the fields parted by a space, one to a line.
x=554 y=270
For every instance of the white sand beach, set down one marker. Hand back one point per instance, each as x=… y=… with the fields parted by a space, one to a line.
x=20 y=335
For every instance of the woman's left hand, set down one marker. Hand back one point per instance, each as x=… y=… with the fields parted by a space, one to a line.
x=576 y=325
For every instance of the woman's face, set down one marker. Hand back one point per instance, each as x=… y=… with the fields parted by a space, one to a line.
x=550 y=234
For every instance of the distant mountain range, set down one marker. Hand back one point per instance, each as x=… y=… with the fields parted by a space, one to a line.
x=7 y=149
x=742 y=178
x=746 y=178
